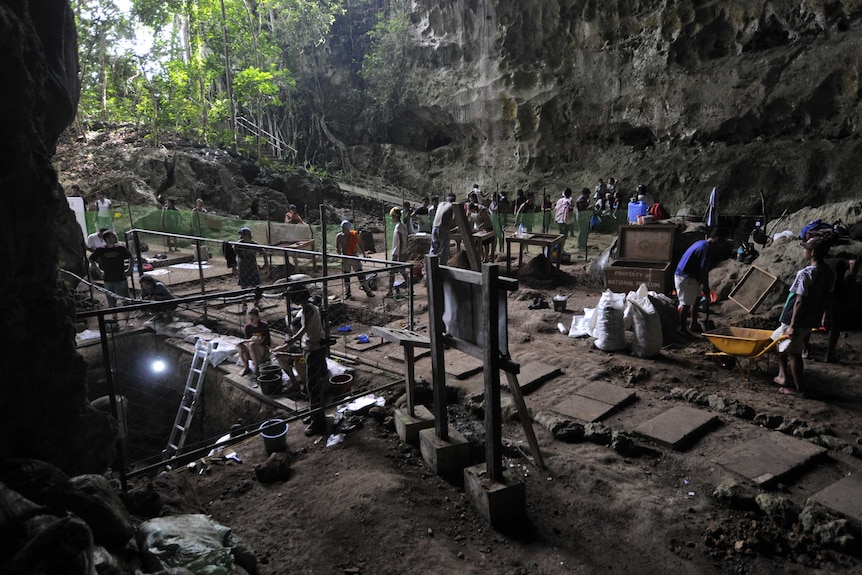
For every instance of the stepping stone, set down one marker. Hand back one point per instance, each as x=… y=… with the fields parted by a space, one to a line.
x=533 y=375
x=606 y=393
x=461 y=366
x=594 y=401
x=843 y=497
x=766 y=459
x=677 y=427
x=584 y=408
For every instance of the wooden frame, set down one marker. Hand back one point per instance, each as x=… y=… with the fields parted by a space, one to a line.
x=752 y=289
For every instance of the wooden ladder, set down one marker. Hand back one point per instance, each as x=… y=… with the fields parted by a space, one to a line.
x=194 y=386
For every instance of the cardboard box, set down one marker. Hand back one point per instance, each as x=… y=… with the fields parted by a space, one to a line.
x=644 y=255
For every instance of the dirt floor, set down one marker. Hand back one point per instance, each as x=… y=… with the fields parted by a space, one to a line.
x=370 y=505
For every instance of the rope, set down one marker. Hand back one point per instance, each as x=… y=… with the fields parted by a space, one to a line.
x=102 y=289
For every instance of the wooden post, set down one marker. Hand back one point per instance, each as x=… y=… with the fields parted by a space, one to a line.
x=491 y=350
x=438 y=365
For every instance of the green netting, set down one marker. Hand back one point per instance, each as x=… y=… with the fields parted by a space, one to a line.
x=532 y=221
x=203 y=225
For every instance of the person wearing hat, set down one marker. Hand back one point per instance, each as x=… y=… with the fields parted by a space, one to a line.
x=347 y=244
x=400 y=239
x=248 y=274
x=809 y=297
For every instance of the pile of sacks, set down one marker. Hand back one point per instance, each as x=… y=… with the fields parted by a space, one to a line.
x=647 y=314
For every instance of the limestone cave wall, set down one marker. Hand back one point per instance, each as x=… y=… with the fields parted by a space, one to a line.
x=43 y=409
x=748 y=96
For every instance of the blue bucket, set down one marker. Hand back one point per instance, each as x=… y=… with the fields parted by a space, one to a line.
x=637 y=209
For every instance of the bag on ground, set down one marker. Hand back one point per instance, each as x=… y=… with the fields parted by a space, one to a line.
x=646 y=324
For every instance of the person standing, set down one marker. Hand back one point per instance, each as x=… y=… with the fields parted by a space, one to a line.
x=563 y=213
x=526 y=212
x=600 y=191
x=611 y=187
x=691 y=278
x=400 y=239
x=171 y=224
x=479 y=195
x=494 y=213
x=441 y=228
x=115 y=263
x=248 y=273
x=845 y=267
x=75 y=192
x=256 y=343
x=310 y=336
x=547 y=213
x=102 y=205
x=347 y=244
x=422 y=217
x=197 y=215
x=583 y=213
x=809 y=298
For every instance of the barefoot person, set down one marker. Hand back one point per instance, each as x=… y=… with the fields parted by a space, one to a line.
x=310 y=336
x=256 y=344
x=692 y=277
x=804 y=309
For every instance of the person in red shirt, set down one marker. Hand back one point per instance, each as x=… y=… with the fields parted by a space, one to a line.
x=257 y=342
x=347 y=244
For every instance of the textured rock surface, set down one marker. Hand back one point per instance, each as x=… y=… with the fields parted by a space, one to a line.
x=746 y=96
x=37 y=101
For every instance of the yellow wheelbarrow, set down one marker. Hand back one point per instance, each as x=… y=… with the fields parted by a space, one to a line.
x=746 y=346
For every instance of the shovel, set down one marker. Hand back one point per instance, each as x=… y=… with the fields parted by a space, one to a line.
x=707 y=324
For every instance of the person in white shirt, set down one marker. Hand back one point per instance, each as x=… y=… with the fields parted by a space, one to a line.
x=441 y=228
x=102 y=205
x=95 y=240
x=563 y=213
x=400 y=239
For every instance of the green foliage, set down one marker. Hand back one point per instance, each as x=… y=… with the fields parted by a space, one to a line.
x=385 y=63
x=280 y=54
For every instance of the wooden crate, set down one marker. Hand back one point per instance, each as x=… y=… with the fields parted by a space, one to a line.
x=645 y=254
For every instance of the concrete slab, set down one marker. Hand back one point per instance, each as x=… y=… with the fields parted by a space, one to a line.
x=594 y=401
x=678 y=427
x=460 y=365
x=501 y=504
x=533 y=375
x=408 y=427
x=843 y=497
x=584 y=408
x=767 y=458
x=445 y=458
x=606 y=393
